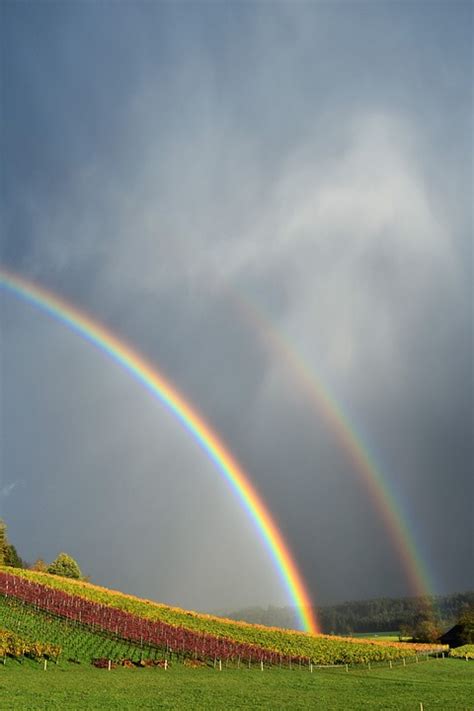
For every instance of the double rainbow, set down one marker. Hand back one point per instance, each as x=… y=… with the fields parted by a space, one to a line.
x=125 y=356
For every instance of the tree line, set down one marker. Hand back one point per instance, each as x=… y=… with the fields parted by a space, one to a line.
x=63 y=564
x=8 y=552
x=421 y=618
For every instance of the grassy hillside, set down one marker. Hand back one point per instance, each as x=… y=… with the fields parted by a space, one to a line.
x=135 y=619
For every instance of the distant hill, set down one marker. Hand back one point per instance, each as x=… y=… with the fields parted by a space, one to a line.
x=376 y=615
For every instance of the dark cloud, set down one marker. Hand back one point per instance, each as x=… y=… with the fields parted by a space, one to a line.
x=172 y=169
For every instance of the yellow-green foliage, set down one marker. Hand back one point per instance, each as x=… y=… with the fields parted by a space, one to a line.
x=467 y=650
x=13 y=645
x=322 y=649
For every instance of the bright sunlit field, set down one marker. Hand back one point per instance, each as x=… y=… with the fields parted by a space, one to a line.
x=444 y=685
x=390 y=635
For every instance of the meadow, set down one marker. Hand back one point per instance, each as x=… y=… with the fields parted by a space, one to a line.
x=442 y=684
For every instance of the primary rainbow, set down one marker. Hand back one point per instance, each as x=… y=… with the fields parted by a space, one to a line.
x=208 y=440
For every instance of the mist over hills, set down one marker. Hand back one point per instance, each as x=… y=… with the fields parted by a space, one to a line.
x=377 y=615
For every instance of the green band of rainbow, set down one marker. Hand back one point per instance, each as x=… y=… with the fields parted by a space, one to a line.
x=208 y=440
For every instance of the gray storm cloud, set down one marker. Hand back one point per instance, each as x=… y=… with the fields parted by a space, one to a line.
x=312 y=166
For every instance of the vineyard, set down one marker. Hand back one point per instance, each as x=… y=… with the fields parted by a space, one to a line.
x=464 y=652
x=74 y=643
x=12 y=645
x=87 y=622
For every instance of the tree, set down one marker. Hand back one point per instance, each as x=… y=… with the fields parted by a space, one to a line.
x=405 y=631
x=11 y=557
x=426 y=630
x=40 y=566
x=8 y=553
x=65 y=566
x=466 y=621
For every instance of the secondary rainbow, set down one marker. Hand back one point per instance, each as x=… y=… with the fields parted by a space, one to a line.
x=348 y=439
x=208 y=440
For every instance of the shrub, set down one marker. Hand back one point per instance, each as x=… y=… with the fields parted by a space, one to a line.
x=65 y=566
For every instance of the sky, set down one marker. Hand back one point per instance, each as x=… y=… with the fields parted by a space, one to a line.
x=174 y=169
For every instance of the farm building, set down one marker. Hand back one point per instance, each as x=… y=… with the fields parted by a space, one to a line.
x=454 y=637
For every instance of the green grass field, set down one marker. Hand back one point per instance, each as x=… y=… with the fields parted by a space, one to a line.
x=445 y=685
x=376 y=635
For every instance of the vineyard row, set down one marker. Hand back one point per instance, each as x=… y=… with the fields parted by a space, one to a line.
x=129 y=627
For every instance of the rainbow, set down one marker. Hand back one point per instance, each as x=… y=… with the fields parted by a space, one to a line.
x=325 y=404
x=122 y=354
